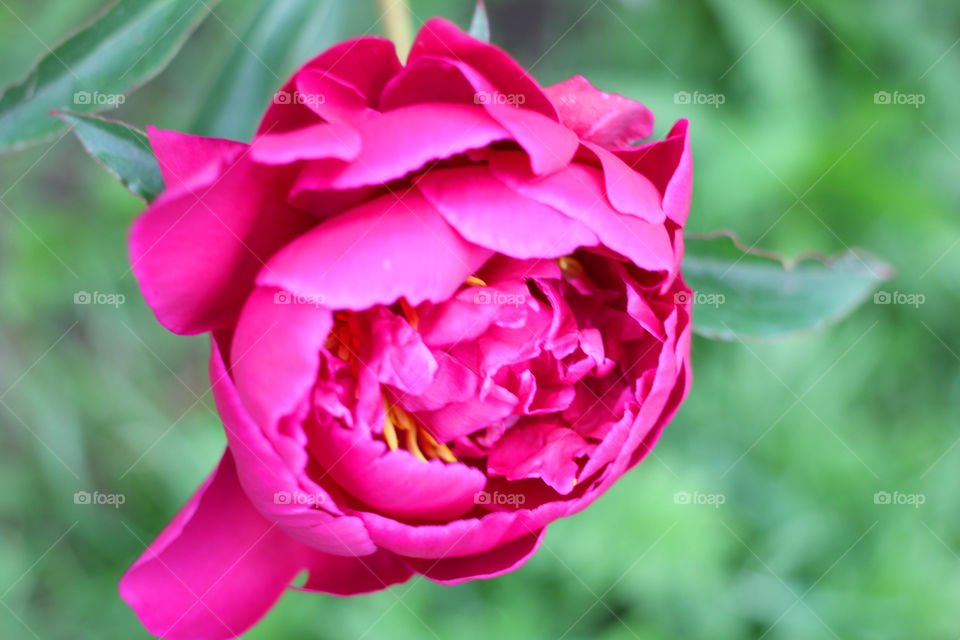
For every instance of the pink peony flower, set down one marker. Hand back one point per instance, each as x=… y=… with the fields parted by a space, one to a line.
x=446 y=310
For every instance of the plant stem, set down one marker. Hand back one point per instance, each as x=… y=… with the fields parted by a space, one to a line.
x=398 y=24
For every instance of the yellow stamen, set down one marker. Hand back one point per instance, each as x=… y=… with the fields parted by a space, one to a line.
x=474 y=281
x=571 y=266
x=417 y=439
x=409 y=313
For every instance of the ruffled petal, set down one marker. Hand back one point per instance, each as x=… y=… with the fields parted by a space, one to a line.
x=669 y=165
x=398 y=245
x=394 y=483
x=272 y=472
x=490 y=564
x=488 y=213
x=196 y=249
x=404 y=140
x=607 y=119
x=353 y=575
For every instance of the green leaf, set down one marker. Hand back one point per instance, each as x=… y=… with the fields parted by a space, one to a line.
x=282 y=35
x=480 y=25
x=121 y=49
x=747 y=294
x=123 y=150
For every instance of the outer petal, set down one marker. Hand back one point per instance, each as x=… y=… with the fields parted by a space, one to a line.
x=270 y=465
x=442 y=39
x=404 y=140
x=578 y=192
x=607 y=119
x=363 y=64
x=197 y=248
x=395 y=246
x=336 y=141
x=488 y=213
x=348 y=576
x=669 y=164
x=490 y=564
x=216 y=569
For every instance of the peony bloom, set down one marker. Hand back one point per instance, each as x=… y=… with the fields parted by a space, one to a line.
x=446 y=310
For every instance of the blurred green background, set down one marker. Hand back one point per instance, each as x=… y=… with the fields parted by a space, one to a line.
x=793 y=438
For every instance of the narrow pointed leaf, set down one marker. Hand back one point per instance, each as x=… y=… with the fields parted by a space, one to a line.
x=123 y=150
x=124 y=47
x=480 y=25
x=282 y=35
x=744 y=294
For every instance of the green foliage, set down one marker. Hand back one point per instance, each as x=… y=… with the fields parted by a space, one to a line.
x=742 y=293
x=123 y=150
x=92 y=70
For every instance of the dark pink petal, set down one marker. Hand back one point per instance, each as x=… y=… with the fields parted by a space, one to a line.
x=352 y=575
x=216 y=569
x=336 y=141
x=331 y=99
x=276 y=327
x=669 y=165
x=488 y=213
x=427 y=80
x=439 y=38
x=394 y=483
x=489 y=564
x=607 y=119
x=578 y=192
x=397 y=245
x=364 y=64
x=404 y=140
x=270 y=466
x=182 y=157
x=539 y=450
x=197 y=248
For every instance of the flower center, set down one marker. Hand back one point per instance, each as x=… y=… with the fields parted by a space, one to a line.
x=398 y=422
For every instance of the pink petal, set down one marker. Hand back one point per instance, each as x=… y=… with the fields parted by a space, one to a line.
x=352 y=575
x=336 y=141
x=489 y=214
x=607 y=119
x=404 y=140
x=363 y=64
x=216 y=569
x=578 y=192
x=276 y=327
x=264 y=473
x=539 y=450
x=395 y=246
x=196 y=249
x=669 y=165
x=439 y=38
x=394 y=483
x=490 y=564
x=182 y=157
